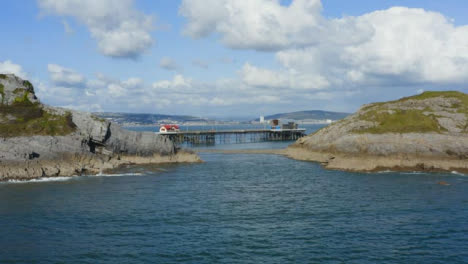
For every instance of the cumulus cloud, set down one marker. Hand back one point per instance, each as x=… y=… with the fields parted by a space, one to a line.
x=169 y=64
x=119 y=29
x=413 y=44
x=397 y=46
x=257 y=24
x=9 y=67
x=292 y=80
x=64 y=76
x=178 y=95
x=176 y=84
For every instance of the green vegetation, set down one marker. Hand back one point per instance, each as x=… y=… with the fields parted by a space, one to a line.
x=96 y=118
x=23 y=100
x=28 y=85
x=18 y=90
x=401 y=121
x=414 y=120
x=428 y=95
x=2 y=92
x=30 y=119
x=25 y=118
x=432 y=94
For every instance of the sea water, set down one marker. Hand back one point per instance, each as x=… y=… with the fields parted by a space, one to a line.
x=236 y=208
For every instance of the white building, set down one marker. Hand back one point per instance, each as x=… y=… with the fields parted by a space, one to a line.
x=262 y=119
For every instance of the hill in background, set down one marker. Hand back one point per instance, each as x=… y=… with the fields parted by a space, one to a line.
x=308 y=115
x=150 y=119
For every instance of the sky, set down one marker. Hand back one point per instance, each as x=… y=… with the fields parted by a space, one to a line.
x=233 y=58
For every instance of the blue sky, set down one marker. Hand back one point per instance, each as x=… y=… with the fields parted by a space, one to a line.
x=232 y=57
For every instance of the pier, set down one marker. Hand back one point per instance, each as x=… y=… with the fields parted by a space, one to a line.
x=212 y=137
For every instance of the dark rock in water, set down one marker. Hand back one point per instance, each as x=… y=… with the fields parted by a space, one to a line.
x=36 y=137
x=444 y=183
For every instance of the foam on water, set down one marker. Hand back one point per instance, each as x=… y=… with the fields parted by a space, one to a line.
x=399 y=172
x=63 y=179
x=458 y=173
x=45 y=179
x=118 y=174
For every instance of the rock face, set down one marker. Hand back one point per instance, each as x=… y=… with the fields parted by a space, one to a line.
x=424 y=132
x=40 y=141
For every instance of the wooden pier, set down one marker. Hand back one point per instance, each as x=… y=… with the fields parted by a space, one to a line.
x=212 y=137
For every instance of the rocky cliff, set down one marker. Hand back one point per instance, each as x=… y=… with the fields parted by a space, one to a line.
x=42 y=141
x=424 y=132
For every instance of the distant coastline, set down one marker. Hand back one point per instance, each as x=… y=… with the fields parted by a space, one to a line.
x=149 y=120
x=218 y=123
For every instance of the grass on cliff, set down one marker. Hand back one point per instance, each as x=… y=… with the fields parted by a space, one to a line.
x=27 y=119
x=2 y=92
x=414 y=120
x=431 y=94
x=461 y=107
x=401 y=121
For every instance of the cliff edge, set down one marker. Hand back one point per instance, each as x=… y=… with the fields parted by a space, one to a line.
x=37 y=140
x=426 y=132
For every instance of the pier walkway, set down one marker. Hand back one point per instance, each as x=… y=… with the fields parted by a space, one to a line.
x=211 y=137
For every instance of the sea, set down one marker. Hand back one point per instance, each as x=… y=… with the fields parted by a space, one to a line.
x=236 y=208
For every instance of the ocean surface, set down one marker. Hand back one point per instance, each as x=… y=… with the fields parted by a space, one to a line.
x=236 y=208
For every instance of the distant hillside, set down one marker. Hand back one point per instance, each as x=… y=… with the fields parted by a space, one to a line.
x=307 y=115
x=147 y=119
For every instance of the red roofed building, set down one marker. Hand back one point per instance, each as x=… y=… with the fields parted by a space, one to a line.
x=169 y=128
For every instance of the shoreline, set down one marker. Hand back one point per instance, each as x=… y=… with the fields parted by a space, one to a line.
x=72 y=165
x=369 y=164
x=360 y=163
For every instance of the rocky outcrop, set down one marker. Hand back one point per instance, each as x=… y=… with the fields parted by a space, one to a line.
x=423 y=132
x=42 y=141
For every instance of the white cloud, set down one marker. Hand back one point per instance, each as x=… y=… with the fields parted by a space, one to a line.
x=64 y=76
x=9 y=67
x=257 y=24
x=178 y=83
x=119 y=29
x=133 y=83
x=397 y=46
x=179 y=95
x=116 y=90
x=259 y=77
x=411 y=44
x=291 y=80
x=169 y=64
x=85 y=107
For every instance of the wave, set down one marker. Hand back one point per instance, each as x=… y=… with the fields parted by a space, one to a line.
x=401 y=172
x=415 y=172
x=118 y=174
x=385 y=171
x=418 y=172
x=459 y=173
x=63 y=179
x=45 y=179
